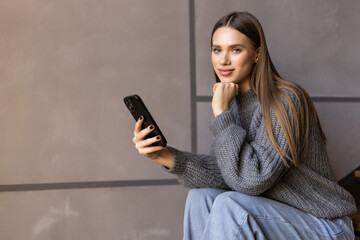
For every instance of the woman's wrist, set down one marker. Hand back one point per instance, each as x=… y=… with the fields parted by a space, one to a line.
x=165 y=158
x=219 y=111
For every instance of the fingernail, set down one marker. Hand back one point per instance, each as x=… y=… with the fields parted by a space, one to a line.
x=158 y=137
x=152 y=126
x=141 y=118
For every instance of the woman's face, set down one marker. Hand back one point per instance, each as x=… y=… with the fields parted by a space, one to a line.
x=233 y=56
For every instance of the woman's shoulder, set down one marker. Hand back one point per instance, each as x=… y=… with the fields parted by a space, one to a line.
x=295 y=93
x=292 y=94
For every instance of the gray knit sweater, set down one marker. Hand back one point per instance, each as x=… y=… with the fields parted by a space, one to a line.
x=242 y=159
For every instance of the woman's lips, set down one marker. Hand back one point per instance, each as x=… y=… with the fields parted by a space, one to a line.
x=226 y=72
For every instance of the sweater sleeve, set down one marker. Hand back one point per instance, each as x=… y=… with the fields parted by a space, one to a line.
x=196 y=170
x=249 y=164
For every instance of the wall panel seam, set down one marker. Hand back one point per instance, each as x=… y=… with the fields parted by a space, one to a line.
x=192 y=76
x=83 y=185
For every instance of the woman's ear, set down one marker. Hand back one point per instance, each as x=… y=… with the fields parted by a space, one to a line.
x=257 y=54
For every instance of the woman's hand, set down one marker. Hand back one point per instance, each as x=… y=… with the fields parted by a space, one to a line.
x=158 y=154
x=223 y=94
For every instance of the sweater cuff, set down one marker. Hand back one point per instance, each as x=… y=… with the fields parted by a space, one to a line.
x=221 y=122
x=179 y=162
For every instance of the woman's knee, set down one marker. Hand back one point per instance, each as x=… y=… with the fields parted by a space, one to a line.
x=232 y=200
x=203 y=193
x=225 y=199
x=239 y=198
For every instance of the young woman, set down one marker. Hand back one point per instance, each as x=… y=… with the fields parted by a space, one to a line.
x=267 y=175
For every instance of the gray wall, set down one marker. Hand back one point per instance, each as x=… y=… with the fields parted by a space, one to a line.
x=68 y=167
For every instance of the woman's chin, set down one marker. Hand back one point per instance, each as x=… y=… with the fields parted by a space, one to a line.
x=226 y=80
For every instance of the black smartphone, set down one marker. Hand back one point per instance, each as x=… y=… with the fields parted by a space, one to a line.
x=137 y=108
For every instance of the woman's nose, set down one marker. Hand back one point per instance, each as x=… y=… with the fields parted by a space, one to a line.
x=225 y=59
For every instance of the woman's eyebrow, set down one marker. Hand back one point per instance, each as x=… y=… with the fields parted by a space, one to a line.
x=231 y=46
x=237 y=44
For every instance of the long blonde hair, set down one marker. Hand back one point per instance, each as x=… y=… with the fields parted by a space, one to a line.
x=268 y=86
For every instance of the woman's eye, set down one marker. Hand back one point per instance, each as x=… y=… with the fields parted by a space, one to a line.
x=216 y=50
x=236 y=50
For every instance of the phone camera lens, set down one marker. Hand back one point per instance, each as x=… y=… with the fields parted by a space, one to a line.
x=130 y=105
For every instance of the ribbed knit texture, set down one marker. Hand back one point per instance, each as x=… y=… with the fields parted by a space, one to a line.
x=242 y=159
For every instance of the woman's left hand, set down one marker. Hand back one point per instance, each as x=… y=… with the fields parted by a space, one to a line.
x=223 y=94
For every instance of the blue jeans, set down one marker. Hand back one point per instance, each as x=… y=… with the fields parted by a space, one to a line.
x=214 y=214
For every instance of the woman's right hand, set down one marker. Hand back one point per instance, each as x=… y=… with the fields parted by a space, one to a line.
x=223 y=94
x=158 y=154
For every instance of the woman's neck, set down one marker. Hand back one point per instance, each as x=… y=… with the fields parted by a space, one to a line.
x=244 y=86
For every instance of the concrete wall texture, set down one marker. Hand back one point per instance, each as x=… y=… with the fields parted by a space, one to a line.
x=68 y=168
